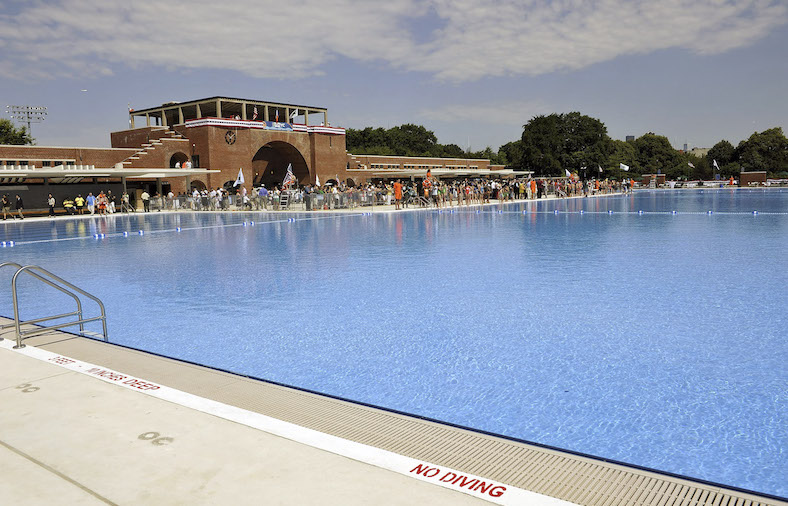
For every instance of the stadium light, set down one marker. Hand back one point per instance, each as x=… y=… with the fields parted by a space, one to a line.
x=27 y=114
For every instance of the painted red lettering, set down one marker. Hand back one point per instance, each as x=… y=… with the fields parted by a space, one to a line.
x=421 y=468
x=142 y=385
x=448 y=476
x=463 y=482
x=426 y=471
x=62 y=360
x=112 y=376
x=482 y=487
x=497 y=491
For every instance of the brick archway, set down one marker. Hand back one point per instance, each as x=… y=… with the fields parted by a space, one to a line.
x=269 y=164
x=178 y=157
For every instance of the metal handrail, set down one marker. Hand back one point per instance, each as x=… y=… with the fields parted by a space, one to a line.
x=52 y=280
x=78 y=312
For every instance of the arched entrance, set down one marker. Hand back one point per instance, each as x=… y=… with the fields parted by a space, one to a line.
x=196 y=183
x=269 y=164
x=179 y=158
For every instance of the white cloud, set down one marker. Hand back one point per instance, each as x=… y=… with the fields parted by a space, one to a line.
x=475 y=38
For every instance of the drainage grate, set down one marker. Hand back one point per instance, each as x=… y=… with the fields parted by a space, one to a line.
x=550 y=472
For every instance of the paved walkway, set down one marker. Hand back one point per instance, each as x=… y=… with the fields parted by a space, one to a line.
x=300 y=209
x=68 y=438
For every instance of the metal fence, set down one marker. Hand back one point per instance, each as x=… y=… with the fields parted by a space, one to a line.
x=285 y=201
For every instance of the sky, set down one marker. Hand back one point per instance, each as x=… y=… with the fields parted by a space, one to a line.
x=472 y=71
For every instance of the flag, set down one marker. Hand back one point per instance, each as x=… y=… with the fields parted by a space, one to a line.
x=289 y=177
x=690 y=164
x=317 y=180
x=240 y=179
x=568 y=174
x=715 y=165
x=600 y=168
x=277 y=115
x=294 y=114
x=623 y=167
x=254 y=114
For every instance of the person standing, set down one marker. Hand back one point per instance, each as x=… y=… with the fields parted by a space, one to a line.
x=397 y=194
x=145 y=201
x=19 y=207
x=102 y=203
x=111 y=199
x=51 y=203
x=91 y=200
x=6 y=206
x=125 y=204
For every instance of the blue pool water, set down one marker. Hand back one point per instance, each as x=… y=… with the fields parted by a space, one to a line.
x=652 y=338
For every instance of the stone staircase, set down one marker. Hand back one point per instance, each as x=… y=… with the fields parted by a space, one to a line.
x=160 y=137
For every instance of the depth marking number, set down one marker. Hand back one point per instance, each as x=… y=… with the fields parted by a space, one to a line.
x=155 y=439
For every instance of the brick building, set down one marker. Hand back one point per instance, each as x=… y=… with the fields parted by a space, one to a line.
x=204 y=144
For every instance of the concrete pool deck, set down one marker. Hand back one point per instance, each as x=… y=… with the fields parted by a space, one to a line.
x=384 y=208
x=86 y=422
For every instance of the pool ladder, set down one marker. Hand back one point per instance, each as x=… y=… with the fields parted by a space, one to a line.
x=59 y=284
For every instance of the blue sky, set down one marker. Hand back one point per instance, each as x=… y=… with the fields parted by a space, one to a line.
x=473 y=71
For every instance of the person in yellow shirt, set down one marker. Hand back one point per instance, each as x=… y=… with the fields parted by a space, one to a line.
x=80 y=203
x=68 y=205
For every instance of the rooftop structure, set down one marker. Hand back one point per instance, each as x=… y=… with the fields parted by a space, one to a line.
x=176 y=113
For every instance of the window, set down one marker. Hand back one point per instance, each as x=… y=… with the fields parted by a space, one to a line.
x=57 y=163
x=70 y=162
x=46 y=163
x=23 y=162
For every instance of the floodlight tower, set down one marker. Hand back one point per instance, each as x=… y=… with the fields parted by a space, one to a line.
x=27 y=114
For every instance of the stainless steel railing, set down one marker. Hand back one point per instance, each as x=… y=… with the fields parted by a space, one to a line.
x=59 y=284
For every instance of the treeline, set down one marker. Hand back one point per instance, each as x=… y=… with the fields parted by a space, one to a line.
x=552 y=144
x=408 y=140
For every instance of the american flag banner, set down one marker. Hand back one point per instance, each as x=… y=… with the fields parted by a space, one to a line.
x=289 y=177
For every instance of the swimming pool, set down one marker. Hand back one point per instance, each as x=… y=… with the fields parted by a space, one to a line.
x=624 y=331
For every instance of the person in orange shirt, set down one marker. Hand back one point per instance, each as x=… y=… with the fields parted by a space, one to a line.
x=397 y=194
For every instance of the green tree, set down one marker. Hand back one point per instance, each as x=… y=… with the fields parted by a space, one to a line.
x=9 y=134
x=655 y=154
x=620 y=152
x=451 y=151
x=699 y=168
x=767 y=150
x=403 y=140
x=723 y=152
x=556 y=142
x=511 y=154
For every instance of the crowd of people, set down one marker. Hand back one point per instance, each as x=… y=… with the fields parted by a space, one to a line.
x=429 y=192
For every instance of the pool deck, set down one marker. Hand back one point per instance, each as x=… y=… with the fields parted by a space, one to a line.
x=86 y=422
x=316 y=212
